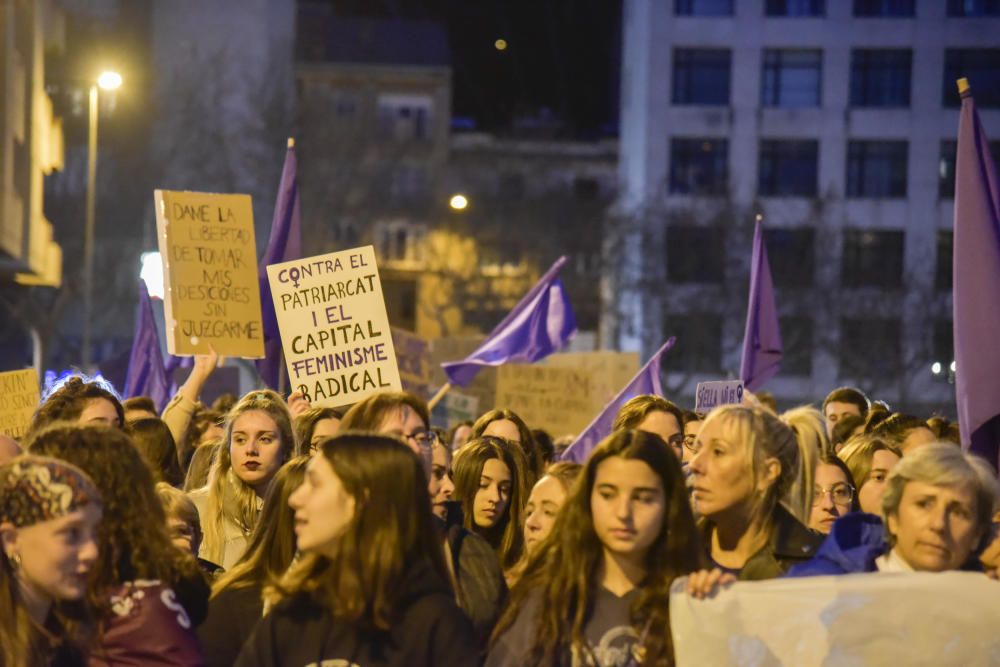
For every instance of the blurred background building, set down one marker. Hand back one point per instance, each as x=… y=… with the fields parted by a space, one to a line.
x=837 y=122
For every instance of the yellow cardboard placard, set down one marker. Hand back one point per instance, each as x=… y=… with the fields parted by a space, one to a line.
x=209 y=273
x=18 y=401
x=334 y=326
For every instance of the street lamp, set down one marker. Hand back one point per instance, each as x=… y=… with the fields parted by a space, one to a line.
x=107 y=81
x=458 y=202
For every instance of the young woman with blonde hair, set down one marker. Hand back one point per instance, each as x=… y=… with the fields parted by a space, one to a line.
x=259 y=439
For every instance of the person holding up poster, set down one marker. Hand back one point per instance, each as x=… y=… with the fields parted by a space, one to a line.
x=745 y=464
x=597 y=591
x=936 y=514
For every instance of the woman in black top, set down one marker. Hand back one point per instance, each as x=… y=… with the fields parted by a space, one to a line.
x=372 y=587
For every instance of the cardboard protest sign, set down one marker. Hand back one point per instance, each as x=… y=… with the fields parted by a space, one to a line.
x=711 y=394
x=210 y=273
x=915 y=618
x=609 y=371
x=453 y=408
x=18 y=400
x=413 y=356
x=334 y=327
x=560 y=400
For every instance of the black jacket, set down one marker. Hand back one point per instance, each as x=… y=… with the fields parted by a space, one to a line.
x=428 y=629
x=232 y=616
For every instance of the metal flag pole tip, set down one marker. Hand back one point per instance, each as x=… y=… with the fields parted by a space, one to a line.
x=963 y=86
x=291 y=142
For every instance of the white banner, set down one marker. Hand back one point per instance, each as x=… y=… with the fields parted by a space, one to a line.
x=854 y=620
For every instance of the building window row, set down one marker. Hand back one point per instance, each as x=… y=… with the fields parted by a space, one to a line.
x=793 y=78
x=869 y=258
x=789 y=167
x=817 y=8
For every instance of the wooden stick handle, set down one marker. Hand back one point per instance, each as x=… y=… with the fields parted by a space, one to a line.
x=438 y=396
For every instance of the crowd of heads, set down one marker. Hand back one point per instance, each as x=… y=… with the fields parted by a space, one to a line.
x=290 y=505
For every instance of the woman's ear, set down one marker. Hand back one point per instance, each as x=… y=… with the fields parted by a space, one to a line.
x=770 y=473
x=8 y=537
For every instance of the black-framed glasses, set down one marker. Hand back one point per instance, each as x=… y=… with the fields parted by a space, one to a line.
x=424 y=439
x=840 y=493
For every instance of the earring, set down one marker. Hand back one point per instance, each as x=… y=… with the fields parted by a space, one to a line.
x=15 y=561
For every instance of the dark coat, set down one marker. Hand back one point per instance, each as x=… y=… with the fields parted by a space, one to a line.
x=427 y=628
x=791 y=543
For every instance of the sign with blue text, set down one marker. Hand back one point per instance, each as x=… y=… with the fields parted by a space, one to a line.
x=334 y=327
x=713 y=394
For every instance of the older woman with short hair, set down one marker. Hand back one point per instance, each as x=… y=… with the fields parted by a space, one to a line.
x=936 y=513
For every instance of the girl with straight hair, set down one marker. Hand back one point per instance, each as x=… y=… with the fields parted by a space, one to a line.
x=598 y=587
x=259 y=439
x=507 y=425
x=371 y=587
x=149 y=594
x=49 y=512
x=237 y=601
x=491 y=485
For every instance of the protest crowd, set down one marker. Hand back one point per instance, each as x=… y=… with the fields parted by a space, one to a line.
x=292 y=529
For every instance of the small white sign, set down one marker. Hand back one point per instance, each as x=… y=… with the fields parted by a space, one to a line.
x=712 y=394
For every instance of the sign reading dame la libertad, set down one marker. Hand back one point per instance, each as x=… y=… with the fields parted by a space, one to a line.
x=334 y=327
x=210 y=272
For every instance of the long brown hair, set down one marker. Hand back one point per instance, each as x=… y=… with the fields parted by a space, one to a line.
x=67 y=401
x=271 y=548
x=532 y=453
x=272 y=405
x=563 y=572
x=360 y=578
x=507 y=535
x=132 y=537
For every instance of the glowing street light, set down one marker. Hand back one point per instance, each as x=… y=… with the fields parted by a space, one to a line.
x=458 y=202
x=106 y=81
x=936 y=368
x=500 y=44
x=109 y=80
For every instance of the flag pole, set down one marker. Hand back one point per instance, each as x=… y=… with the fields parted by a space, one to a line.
x=438 y=396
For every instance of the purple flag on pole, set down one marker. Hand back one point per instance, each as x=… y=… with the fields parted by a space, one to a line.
x=762 y=348
x=146 y=374
x=646 y=381
x=539 y=324
x=284 y=244
x=976 y=267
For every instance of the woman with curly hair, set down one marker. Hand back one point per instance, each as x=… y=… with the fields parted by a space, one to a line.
x=490 y=484
x=372 y=587
x=149 y=594
x=599 y=586
x=259 y=439
x=237 y=601
x=49 y=511
x=82 y=400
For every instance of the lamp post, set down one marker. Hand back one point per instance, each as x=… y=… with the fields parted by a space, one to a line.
x=107 y=81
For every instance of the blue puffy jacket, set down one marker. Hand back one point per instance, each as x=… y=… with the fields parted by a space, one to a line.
x=854 y=542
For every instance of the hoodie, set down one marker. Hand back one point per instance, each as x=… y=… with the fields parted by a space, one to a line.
x=428 y=628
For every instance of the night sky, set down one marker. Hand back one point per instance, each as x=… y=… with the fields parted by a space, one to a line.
x=562 y=56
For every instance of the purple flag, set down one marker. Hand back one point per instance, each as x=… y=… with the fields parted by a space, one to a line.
x=976 y=267
x=762 y=348
x=646 y=381
x=146 y=374
x=284 y=244
x=539 y=324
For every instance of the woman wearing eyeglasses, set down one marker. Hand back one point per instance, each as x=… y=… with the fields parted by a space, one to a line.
x=654 y=414
x=833 y=494
x=935 y=517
